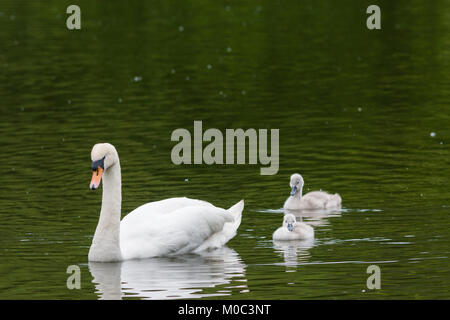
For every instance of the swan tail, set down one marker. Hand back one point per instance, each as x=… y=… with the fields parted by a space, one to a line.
x=236 y=212
x=229 y=230
x=338 y=198
x=335 y=200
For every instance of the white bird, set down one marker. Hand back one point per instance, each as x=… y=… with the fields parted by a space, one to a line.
x=293 y=230
x=162 y=228
x=311 y=200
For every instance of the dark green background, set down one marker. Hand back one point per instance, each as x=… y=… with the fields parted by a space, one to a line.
x=304 y=67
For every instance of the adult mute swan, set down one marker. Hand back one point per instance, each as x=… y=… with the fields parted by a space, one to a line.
x=167 y=227
x=311 y=200
x=293 y=230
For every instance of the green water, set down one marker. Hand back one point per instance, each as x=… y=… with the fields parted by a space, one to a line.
x=355 y=109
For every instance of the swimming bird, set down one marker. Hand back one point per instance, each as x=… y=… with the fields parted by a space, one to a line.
x=311 y=200
x=293 y=230
x=162 y=228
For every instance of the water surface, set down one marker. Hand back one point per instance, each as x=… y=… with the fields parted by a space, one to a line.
x=361 y=113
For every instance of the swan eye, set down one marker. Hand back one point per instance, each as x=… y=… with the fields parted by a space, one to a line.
x=98 y=164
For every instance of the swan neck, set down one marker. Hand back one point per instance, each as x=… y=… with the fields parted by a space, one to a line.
x=112 y=194
x=106 y=242
x=300 y=191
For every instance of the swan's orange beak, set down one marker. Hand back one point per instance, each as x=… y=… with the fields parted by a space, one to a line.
x=96 y=178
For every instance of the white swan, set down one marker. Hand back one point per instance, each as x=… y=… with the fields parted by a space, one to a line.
x=167 y=227
x=293 y=230
x=311 y=200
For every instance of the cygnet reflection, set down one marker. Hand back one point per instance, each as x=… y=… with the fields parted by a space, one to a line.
x=315 y=218
x=294 y=252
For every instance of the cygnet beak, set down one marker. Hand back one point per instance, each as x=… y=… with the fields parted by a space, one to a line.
x=294 y=190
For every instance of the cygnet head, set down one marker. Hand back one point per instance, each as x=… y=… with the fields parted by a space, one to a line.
x=289 y=221
x=296 y=183
x=103 y=156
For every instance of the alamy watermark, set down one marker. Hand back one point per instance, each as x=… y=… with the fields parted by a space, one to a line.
x=73 y=21
x=74 y=280
x=235 y=139
x=374 y=280
x=374 y=20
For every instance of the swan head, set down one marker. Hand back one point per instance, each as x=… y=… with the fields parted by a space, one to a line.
x=103 y=156
x=289 y=221
x=296 y=183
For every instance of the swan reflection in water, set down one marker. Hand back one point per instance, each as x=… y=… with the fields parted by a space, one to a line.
x=317 y=217
x=294 y=251
x=180 y=277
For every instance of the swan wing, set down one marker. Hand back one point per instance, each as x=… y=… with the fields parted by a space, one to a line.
x=146 y=232
x=320 y=199
x=228 y=231
x=164 y=206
